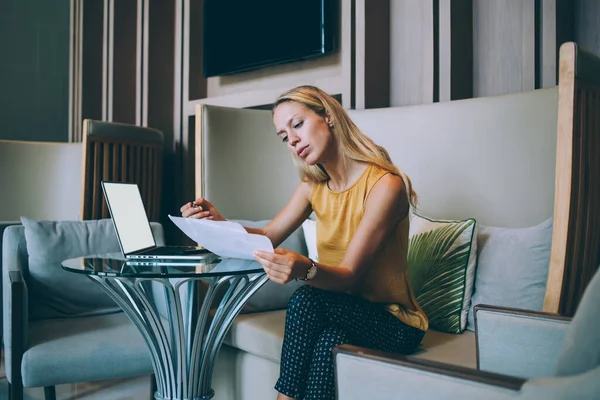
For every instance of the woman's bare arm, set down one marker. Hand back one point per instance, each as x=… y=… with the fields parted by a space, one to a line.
x=289 y=218
x=385 y=206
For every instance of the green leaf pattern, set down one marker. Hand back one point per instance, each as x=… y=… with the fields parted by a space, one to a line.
x=437 y=261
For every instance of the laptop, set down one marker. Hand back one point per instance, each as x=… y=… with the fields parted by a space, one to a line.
x=133 y=228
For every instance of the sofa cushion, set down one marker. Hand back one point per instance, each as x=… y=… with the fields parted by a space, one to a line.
x=54 y=292
x=49 y=359
x=512 y=267
x=441 y=262
x=260 y=334
x=273 y=296
x=449 y=348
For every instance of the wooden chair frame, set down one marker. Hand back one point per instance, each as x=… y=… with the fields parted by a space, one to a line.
x=575 y=253
x=130 y=154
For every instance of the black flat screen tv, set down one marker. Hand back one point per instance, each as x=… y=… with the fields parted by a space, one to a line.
x=241 y=35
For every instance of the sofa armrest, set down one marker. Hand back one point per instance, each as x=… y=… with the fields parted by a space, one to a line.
x=16 y=336
x=518 y=342
x=3 y=226
x=15 y=296
x=374 y=375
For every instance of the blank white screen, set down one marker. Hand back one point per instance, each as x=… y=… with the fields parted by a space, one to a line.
x=128 y=213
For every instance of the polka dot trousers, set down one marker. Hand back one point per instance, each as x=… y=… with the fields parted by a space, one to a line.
x=317 y=321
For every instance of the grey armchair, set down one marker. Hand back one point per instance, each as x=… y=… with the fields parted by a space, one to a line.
x=521 y=355
x=44 y=349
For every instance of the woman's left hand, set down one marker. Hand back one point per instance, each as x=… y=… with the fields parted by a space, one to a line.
x=284 y=265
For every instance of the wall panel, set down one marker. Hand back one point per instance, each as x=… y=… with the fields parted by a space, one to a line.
x=34 y=70
x=587 y=25
x=503 y=46
x=455 y=50
x=411 y=52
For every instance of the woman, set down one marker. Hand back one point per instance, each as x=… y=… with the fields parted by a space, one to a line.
x=359 y=292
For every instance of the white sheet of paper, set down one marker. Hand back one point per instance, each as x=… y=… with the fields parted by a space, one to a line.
x=223 y=238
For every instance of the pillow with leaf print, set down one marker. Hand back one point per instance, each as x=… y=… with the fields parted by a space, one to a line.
x=442 y=256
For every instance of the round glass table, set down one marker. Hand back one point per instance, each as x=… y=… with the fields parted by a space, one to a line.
x=160 y=298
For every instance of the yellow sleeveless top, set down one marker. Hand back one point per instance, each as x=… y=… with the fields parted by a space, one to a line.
x=386 y=280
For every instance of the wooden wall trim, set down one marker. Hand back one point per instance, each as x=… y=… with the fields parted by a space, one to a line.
x=105 y=16
x=92 y=64
x=359 y=55
x=145 y=44
x=548 y=44
x=84 y=169
x=376 y=52
x=528 y=67
x=110 y=62
x=198 y=152
x=75 y=35
x=124 y=69
x=587 y=67
x=444 y=49
x=139 y=64
x=455 y=50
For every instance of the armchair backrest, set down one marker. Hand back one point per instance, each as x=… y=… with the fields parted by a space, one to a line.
x=40 y=180
x=123 y=153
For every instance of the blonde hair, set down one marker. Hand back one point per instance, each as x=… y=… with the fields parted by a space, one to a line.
x=355 y=145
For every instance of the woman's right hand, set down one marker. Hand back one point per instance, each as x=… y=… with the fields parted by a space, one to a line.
x=201 y=209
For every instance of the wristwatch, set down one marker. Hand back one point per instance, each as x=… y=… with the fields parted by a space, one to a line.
x=312 y=271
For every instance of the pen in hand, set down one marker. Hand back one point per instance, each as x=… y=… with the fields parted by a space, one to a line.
x=201 y=209
x=200 y=212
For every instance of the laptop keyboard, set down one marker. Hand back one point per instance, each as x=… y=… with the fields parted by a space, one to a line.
x=175 y=250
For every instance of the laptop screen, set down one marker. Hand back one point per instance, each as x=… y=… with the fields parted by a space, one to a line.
x=129 y=216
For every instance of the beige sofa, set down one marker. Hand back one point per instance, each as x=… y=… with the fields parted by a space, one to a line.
x=492 y=159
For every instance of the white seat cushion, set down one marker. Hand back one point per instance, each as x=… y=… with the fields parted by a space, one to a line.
x=261 y=334
x=455 y=349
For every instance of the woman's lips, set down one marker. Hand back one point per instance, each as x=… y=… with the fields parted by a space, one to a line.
x=302 y=152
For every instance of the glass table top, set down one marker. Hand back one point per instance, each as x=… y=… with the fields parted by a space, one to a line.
x=114 y=265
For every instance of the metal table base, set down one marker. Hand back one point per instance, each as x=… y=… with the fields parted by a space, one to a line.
x=183 y=344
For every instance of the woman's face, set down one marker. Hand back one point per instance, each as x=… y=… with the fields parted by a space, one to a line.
x=305 y=132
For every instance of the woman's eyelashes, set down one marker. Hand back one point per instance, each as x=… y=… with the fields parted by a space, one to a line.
x=297 y=125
